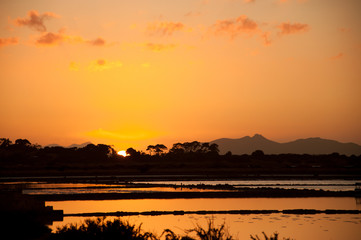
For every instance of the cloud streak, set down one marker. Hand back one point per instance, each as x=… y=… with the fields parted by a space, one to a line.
x=193 y=14
x=337 y=57
x=55 y=39
x=244 y=26
x=165 y=28
x=157 y=47
x=289 y=28
x=35 y=21
x=235 y=27
x=266 y=38
x=51 y=39
x=97 y=42
x=8 y=41
x=102 y=64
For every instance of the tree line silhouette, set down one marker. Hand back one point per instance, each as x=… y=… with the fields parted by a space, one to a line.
x=188 y=157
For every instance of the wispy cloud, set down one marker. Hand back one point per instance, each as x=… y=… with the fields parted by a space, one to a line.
x=292 y=28
x=344 y=30
x=266 y=38
x=54 y=39
x=337 y=57
x=35 y=21
x=157 y=47
x=8 y=41
x=102 y=64
x=164 y=28
x=193 y=14
x=73 y=66
x=287 y=1
x=97 y=42
x=51 y=39
x=235 y=27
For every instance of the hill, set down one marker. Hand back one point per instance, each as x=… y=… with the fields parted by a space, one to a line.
x=70 y=146
x=247 y=145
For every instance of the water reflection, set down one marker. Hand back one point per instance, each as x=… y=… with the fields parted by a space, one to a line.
x=184 y=186
x=326 y=185
x=318 y=226
x=141 y=205
x=300 y=227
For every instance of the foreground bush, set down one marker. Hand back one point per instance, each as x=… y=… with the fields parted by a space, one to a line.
x=272 y=237
x=100 y=229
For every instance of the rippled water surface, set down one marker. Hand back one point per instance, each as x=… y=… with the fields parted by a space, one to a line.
x=301 y=227
x=295 y=226
x=166 y=186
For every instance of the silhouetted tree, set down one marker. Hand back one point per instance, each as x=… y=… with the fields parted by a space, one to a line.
x=106 y=150
x=131 y=152
x=213 y=148
x=5 y=142
x=228 y=154
x=194 y=147
x=258 y=153
x=150 y=148
x=97 y=152
x=177 y=148
x=22 y=142
x=159 y=148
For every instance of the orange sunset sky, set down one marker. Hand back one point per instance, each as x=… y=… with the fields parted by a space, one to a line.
x=134 y=73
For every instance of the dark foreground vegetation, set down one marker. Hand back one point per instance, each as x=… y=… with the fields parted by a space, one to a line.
x=118 y=229
x=22 y=158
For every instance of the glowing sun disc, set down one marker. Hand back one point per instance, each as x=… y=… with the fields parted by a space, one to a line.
x=122 y=153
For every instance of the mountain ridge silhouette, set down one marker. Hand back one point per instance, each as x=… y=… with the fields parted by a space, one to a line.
x=70 y=146
x=313 y=145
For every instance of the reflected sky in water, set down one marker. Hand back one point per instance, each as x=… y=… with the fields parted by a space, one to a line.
x=189 y=186
x=300 y=227
x=140 y=205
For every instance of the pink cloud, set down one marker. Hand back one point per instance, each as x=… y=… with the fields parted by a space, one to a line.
x=287 y=1
x=8 y=41
x=193 y=14
x=266 y=38
x=234 y=27
x=97 y=42
x=289 y=28
x=35 y=20
x=159 y=47
x=337 y=57
x=101 y=62
x=344 y=30
x=51 y=39
x=164 y=28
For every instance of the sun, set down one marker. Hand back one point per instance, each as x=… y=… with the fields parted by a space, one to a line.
x=123 y=153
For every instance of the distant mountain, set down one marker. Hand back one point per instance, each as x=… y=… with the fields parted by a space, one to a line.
x=70 y=146
x=247 y=145
x=79 y=145
x=53 y=145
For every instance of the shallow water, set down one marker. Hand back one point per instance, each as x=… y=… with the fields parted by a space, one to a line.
x=317 y=226
x=189 y=186
x=141 y=205
x=300 y=227
x=332 y=185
